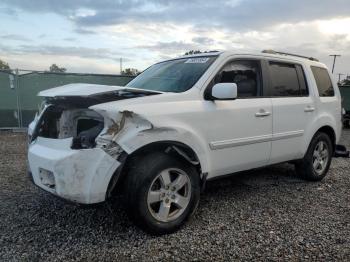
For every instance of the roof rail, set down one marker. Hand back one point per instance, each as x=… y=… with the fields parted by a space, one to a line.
x=283 y=53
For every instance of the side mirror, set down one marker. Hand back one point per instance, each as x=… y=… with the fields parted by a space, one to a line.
x=224 y=91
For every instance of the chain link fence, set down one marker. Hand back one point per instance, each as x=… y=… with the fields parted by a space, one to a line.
x=19 y=88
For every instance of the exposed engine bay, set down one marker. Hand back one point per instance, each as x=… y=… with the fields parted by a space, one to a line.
x=83 y=136
x=69 y=116
x=61 y=122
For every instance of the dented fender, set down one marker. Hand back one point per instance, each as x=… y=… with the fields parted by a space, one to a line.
x=131 y=131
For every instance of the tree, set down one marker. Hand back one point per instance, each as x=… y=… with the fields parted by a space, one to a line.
x=193 y=52
x=130 y=72
x=345 y=82
x=4 y=65
x=56 y=69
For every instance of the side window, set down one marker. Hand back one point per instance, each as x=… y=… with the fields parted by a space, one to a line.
x=323 y=81
x=245 y=73
x=287 y=80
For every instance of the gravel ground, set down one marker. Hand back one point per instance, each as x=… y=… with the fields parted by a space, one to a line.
x=265 y=214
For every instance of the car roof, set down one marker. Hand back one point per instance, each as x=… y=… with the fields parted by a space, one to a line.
x=279 y=56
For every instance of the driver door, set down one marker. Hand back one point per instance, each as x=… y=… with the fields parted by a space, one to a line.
x=239 y=131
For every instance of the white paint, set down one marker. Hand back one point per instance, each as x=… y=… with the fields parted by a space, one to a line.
x=78 y=90
x=80 y=175
x=199 y=60
x=227 y=136
x=224 y=91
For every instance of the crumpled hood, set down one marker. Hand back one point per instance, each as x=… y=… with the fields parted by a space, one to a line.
x=78 y=90
x=147 y=105
x=86 y=95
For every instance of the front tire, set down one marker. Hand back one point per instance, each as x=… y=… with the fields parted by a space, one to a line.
x=317 y=160
x=162 y=192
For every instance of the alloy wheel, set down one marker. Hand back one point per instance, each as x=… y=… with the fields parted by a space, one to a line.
x=320 y=157
x=169 y=194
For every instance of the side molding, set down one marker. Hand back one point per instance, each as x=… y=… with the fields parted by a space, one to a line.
x=253 y=140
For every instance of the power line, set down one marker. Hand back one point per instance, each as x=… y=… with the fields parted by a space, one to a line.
x=335 y=57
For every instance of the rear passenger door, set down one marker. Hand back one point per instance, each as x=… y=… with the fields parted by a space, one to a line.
x=293 y=109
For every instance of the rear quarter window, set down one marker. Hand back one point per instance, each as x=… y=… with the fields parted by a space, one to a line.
x=323 y=81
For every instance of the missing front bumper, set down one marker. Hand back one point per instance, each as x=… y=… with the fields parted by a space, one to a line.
x=81 y=176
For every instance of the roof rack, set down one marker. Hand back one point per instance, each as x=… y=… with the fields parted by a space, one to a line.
x=283 y=53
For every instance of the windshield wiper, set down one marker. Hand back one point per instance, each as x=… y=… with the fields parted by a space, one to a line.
x=141 y=91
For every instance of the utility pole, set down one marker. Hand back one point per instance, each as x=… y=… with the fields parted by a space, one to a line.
x=335 y=57
x=339 y=75
x=121 y=65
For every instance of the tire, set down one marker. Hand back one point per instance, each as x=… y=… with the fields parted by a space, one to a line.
x=314 y=166
x=152 y=203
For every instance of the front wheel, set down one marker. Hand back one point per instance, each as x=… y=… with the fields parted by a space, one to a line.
x=315 y=164
x=161 y=193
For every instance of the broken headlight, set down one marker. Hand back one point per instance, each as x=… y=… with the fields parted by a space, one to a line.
x=87 y=131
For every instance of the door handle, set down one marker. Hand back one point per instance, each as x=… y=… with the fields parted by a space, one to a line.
x=309 y=109
x=262 y=113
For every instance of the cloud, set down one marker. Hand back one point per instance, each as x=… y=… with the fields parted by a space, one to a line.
x=70 y=39
x=73 y=64
x=15 y=37
x=203 y=40
x=68 y=51
x=238 y=15
x=169 y=47
x=8 y=11
x=84 y=31
x=152 y=30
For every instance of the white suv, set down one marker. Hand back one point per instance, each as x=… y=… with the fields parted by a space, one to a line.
x=182 y=122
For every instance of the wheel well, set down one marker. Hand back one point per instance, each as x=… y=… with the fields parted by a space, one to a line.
x=330 y=132
x=174 y=148
x=170 y=147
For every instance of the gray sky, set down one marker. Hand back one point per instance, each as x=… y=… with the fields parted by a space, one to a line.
x=91 y=35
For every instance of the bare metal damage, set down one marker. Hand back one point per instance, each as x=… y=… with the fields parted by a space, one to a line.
x=69 y=118
x=131 y=132
x=77 y=144
x=83 y=175
x=115 y=136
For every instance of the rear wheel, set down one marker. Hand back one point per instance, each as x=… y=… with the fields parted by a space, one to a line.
x=315 y=164
x=161 y=192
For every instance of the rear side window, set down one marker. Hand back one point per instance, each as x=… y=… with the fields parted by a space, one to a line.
x=323 y=81
x=287 y=80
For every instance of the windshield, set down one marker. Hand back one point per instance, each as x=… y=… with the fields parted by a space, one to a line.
x=173 y=76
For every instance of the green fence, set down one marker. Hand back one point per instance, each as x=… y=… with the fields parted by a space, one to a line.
x=19 y=89
x=345 y=95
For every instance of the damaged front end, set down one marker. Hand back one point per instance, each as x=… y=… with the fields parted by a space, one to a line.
x=73 y=151
x=60 y=122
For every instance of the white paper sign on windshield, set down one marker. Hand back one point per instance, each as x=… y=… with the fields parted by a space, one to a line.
x=199 y=60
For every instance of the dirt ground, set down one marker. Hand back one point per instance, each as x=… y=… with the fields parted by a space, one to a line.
x=266 y=214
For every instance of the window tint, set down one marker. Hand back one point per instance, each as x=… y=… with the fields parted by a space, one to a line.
x=246 y=74
x=287 y=80
x=176 y=75
x=323 y=81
